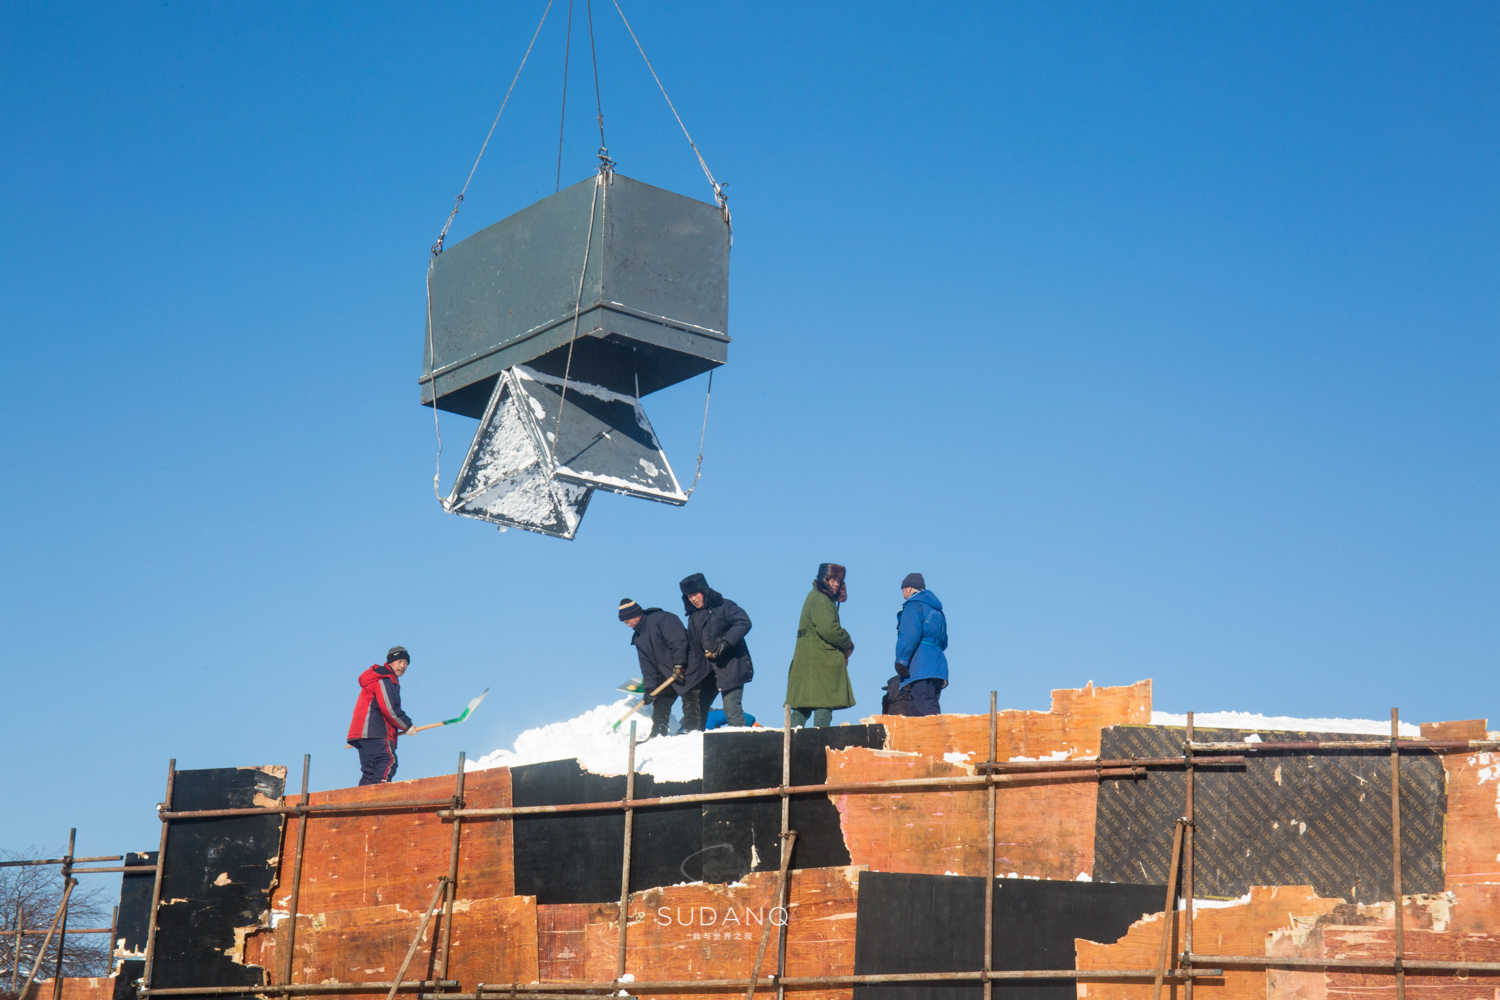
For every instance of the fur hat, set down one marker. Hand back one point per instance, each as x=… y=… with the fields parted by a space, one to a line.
x=695 y=584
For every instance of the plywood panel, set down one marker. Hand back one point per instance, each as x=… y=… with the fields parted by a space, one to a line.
x=1070 y=730
x=560 y=940
x=1241 y=928
x=1044 y=829
x=362 y=860
x=494 y=940
x=1362 y=942
x=74 y=988
x=1468 y=729
x=709 y=931
x=1472 y=835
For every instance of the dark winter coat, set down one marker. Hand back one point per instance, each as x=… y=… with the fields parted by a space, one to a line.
x=719 y=618
x=921 y=637
x=819 y=675
x=662 y=643
x=377 y=713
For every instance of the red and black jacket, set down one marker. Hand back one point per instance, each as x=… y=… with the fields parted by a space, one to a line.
x=377 y=714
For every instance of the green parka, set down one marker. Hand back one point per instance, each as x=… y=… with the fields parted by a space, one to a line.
x=819 y=675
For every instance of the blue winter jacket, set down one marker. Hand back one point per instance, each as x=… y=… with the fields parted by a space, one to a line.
x=921 y=637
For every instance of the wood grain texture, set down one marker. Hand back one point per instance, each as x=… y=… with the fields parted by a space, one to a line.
x=1071 y=728
x=74 y=988
x=1238 y=929
x=707 y=931
x=494 y=940
x=362 y=860
x=1471 y=848
x=1042 y=829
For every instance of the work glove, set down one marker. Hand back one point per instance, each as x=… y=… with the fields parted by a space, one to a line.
x=902 y=670
x=647 y=698
x=677 y=672
x=720 y=648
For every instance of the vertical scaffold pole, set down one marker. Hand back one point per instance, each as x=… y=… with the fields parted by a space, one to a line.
x=458 y=803
x=1396 y=850
x=625 y=864
x=787 y=845
x=989 y=863
x=161 y=866
x=62 y=930
x=1187 y=857
x=1169 y=911
x=291 y=917
x=15 y=965
x=114 y=928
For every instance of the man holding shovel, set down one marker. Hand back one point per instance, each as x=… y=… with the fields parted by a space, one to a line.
x=661 y=643
x=378 y=718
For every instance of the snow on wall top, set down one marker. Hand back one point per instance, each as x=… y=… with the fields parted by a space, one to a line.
x=1283 y=723
x=588 y=737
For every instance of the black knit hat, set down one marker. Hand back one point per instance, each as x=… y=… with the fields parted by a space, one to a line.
x=397 y=653
x=695 y=584
x=914 y=581
x=629 y=609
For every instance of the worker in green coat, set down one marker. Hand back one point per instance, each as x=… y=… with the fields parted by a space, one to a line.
x=818 y=681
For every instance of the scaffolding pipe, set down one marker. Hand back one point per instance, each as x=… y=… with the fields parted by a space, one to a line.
x=1386 y=965
x=291 y=927
x=786 y=837
x=625 y=861
x=989 y=863
x=1187 y=852
x=285 y=989
x=1396 y=849
x=62 y=930
x=299 y=810
x=161 y=863
x=1432 y=746
x=458 y=803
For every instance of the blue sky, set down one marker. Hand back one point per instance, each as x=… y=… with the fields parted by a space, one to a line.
x=1162 y=338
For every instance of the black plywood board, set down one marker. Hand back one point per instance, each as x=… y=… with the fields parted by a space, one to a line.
x=131 y=970
x=935 y=923
x=135 y=903
x=217 y=876
x=1283 y=818
x=576 y=857
x=743 y=836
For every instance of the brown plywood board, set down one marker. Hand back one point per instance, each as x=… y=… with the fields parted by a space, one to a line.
x=1071 y=729
x=1043 y=829
x=74 y=988
x=1468 y=729
x=1241 y=928
x=707 y=931
x=357 y=860
x=1471 y=848
x=494 y=940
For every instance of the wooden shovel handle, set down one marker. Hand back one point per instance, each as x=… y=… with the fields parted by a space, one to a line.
x=418 y=729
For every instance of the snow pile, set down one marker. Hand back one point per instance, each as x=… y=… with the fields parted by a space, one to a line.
x=1282 y=723
x=600 y=750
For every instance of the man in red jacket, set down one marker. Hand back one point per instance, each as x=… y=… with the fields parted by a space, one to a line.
x=378 y=718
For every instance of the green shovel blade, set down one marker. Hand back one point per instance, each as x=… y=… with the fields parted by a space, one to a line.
x=467 y=711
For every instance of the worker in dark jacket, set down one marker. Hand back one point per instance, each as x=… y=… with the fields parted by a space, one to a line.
x=716 y=635
x=661 y=644
x=921 y=638
x=378 y=718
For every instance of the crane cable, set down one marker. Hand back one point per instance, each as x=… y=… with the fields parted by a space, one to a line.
x=437 y=248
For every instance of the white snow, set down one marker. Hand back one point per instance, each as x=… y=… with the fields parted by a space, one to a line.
x=956 y=757
x=1282 y=723
x=589 y=738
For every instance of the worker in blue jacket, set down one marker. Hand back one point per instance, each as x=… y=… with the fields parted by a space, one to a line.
x=921 y=637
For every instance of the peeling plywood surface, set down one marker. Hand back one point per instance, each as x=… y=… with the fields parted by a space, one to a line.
x=361 y=860
x=1070 y=730
x=74 y=988
x=494 y=940
x=1242 y=928
x=1042 y=829
x=708 y=931
x=1472 y=834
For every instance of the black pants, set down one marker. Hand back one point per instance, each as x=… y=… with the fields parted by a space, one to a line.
x=695 y=702
x=377 y=760
x=924 y=697
x=661 y=711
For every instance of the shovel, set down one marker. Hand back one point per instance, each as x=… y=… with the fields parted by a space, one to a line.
x=449 y=722
x=637 y=706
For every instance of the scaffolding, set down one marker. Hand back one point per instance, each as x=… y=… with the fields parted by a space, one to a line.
x=1182 y=967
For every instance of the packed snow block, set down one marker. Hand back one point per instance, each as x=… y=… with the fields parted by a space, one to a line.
x=635 y=277
x=1294 y=818
x=216 y=877
x=135 y=904
x=743 y=836
x=353 y=860
x=577 y=857
x=935 y=923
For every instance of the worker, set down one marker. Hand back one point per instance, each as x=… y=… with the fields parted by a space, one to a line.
x=716 y=633
x=818 y=681
x=378 y=718
x=661 y=644
x=921 y=638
